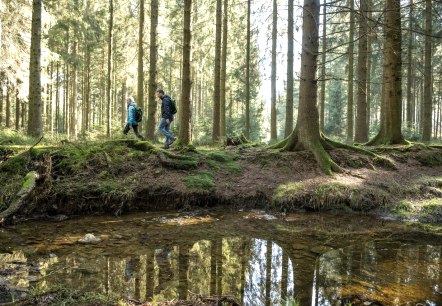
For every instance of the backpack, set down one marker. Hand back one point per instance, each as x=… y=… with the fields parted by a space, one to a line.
x=173 y=108
x=138 y=114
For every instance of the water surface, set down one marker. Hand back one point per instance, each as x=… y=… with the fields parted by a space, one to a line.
x=259 y=259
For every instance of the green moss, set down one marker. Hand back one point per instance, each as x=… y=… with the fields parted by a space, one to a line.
x=221 y=157
x=16 y=164
x=327 y=196
x=432 y=181
x=432 y=208
x=430 y=158
x=201 y=180
x=403 y=207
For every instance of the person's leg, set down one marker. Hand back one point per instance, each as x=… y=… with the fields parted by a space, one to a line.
x=126 y=129
x=171 y=138
x=164 y=128
x=135 y=127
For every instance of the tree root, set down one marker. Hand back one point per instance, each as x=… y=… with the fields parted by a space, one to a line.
x=319 y=149
x=21 y=197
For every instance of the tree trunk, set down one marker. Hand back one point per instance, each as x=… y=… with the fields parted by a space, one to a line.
x=217 y=71
x=109 y=69
x=151 y=119
x=1 y=101
x=350 y=74
x=73 y=130
x=247 y=114
x=427 y=102
x=88 y=91
x=273 y=127
x=66 y=100
x=391 y=111
x=8 y=105
x=185 y=132
x=17 y=110
x=223 y=75
x=35 y=123
x=324 y=56
x=140 y=79
x=123 y=102
x=369 y=62
x=361 y=133
x=410 y=72
x=306 y=135
x=57 y=98
x=23 y=114
x=289 y=102
x=50 y=121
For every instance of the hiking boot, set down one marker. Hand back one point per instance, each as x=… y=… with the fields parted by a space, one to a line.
x=166 y=146
x=172 y=140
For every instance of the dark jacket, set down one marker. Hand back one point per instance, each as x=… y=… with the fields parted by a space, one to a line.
x=131 y=110
x=166 y=108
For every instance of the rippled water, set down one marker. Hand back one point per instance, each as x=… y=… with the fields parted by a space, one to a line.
x=257 y=258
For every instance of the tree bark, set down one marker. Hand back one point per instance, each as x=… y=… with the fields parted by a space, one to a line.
x=324 y=56
x=391 y=111
x=8 y=105
x=410 y=72
x=217 y=76
x=289 y=101
x=73 y=130
x=1 y=101
x=306 y=135
x=427 y=102
x=35 y=123
x=123 y=102
x=185 y=132
x=109 y=69
x=247 y=112
x=17 y=110
x=350 y=74
x=361 y=133
x=223 y=75
x=57 y=97
x=151 y=119
x=273 y=123
x=369 y=62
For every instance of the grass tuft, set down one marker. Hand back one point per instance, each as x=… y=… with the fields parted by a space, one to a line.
x=201 y=180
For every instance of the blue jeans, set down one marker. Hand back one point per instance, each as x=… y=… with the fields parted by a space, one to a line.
x=165 y=129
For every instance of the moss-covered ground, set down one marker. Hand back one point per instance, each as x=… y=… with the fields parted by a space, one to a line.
x=122 y=175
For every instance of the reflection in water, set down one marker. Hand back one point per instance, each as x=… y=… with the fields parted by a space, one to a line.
x=386 y=272
x=259 y=267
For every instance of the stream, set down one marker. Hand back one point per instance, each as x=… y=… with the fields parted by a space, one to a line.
x=254 y=257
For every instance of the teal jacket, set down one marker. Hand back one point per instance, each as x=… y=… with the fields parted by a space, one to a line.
x=131 y=110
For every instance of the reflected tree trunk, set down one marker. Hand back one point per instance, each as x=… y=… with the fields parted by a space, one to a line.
x=243 y=269
x=213 y=249
x=284 y=274
x=150 y=275
x=219 y=267
x=183 y=267
x=268 y=272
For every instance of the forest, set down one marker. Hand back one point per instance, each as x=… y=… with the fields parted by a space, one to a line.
x=220 y=152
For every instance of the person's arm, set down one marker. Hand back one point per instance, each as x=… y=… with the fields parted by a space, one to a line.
x=167 y=112
x=130 y=115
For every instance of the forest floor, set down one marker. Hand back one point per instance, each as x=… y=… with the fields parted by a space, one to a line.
x=125 y=175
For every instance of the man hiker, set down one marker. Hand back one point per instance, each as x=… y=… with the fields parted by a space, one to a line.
x=166 y=117
x=132 y=118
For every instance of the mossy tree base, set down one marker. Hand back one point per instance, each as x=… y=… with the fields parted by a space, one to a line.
x=27 y=187
x=319 y=146
x=316 y=144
